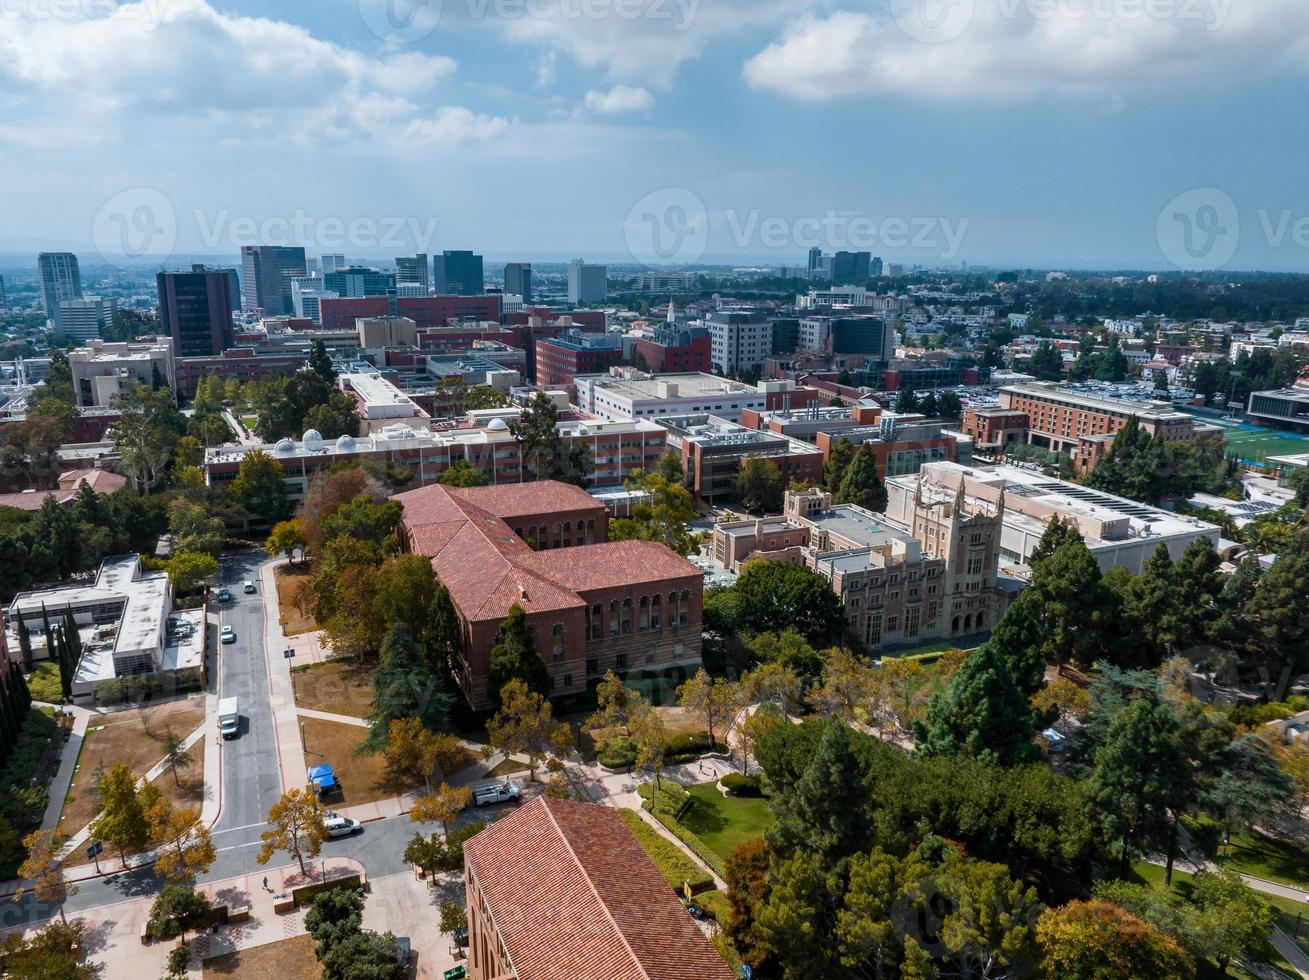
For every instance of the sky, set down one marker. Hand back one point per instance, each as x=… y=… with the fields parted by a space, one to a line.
x=1151 y=134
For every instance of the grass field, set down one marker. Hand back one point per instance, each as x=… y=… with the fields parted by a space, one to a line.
x=292 y=619
x=290 y=959
x=338 y=687
x=1256 y=444
x=723 y=822
x=1284 y=862
x=43 y=682
x=363 y=778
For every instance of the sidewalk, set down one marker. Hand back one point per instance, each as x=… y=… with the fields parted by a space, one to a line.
x=67 y=762
x=286 y=719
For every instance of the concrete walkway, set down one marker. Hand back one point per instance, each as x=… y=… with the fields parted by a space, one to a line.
x=58 y=787
x=286 y=720
x=329 y=716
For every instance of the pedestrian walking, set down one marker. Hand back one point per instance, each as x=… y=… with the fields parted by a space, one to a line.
x=266 y=888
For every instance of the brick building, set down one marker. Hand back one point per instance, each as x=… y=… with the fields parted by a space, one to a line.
x=562 y=890
x=714 y=450
x=931 y=575
x=994 y=428
x=633 y=607
x=675 y=350
x=560 y=359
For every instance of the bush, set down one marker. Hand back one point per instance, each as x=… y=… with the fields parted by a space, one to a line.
x=675 y=866
x=617 y=753
x=1259 y=714
x=715 y=903
x=741 y=785
x=43 y=682
x=689 y=746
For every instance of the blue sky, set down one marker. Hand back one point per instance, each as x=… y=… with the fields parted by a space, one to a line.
x=1048 y=133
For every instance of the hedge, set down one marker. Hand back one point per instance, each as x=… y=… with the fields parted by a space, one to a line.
x=689 y=746
x=675 y=866
x=617 y=753
x=741 y=785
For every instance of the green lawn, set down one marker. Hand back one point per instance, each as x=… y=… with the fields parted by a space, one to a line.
x=723 y=822
x=43 y=682
x=678 y=869
x=1281 y=861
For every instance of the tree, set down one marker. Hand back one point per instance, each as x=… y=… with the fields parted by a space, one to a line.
x=1281 y=613
x=286 y=538
x=334 y=914
x=545 y=453
x=185 y=847
x=195 y=528
x=54 y=953
x=1047 y=362
x=176 y=909
x=25 y=643
x=861 y=485
x=1233 y=921
x=123 y=823
x=781 y=596
x=617 y=708
x=187 y=570
x=514 y=657
x=414 y=752
x=1072 y=604
x=1097 y=940
x=295 y=826
x=41 y=872
x=145 y=433
x=715 y=699
x=907 y=401
x=463 y=474
x=406 y=587
x=1056 y=533
x=837 y=461
x=525 y=725
x=898 y=694
x=260 y=487
x=746 y=877
x=364 y=955
x=1134 y=465
x=442 y=806
x=179 y=960
x=54 y=530
x=760 y=486
x=363 y=520
x=847 y=685
x=649 y=737
x=453 y=918
x=1063 y=698
x=814 y=817
x=670 y=467
x=662 y=517
x=175 y=754
x=982 y=714
x=1134 y=784
x=405 y=687
x=188 y=453
x=320 y=362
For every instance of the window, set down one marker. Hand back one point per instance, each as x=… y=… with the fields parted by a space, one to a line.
x=911 y=622
x=654 y=621
x=568 y=680
x=592 y=666
x=650 y=657
x=873 y=629
x=621 y=661
x=557 y=630
x=892 y=623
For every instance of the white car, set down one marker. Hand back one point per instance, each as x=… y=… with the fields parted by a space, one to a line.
x=227 y=634
x=249 y=587
x=338 y=826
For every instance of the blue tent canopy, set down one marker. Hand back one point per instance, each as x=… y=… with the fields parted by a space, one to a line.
x=321 y=777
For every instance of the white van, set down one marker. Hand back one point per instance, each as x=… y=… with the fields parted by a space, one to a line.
x=229 y=718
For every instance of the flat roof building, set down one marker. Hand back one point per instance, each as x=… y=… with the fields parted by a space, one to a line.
x=629 y=394
x=714 y=450
x=102 y=370
x=1287 y=408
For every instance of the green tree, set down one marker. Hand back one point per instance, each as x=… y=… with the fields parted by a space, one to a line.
x=670 y=467
x=187 y=570
x=335 y=914
x=760 y=486
x=122 y=823
x=405 y=687
x=363 y=520
x=1073 y=605
x=463 y=474
x=286 y=538
x=53 y=953
x=982 y=714
x=1134 y=785
x=333 y=418
x=405 y=589
x=145 y=433
x=815 y=817
x=525 y=724
x=260 y=487
x=514 y=656
x=861 y=485
x=545 y=453
x=54 y=531
x=1281 y=613
x=838 y=461
x=1047 y=362
x=320 y=362
x=1233 y=921
x=176 y=910
x=25 y=643
x=663 y=517
x=781 y=596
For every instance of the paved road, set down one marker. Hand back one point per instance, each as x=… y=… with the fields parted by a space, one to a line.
x=251 y=780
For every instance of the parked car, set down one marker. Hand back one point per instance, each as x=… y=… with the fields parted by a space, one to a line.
x=338 y=826
x=497 y=792
x=224 y=595
x=249 y=587
x=227 y=634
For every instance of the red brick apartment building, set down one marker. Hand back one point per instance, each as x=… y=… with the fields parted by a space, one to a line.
x=593 y=605
x=561 y=890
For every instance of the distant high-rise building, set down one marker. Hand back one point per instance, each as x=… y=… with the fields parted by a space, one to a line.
x=266 y=276
x=518 y=280
x=850 y=268
x=587 y=283
x=359 y=281
x=61 y=279
x=3 y=299
x=195 y=309
x=815 y=260
x=306 y=294
x=875 y=267
x=330 y=263
x=86 y=318
x=458 y=274
x=412 y=270
x=895 y=269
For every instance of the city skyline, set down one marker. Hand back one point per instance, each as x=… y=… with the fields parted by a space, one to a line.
x=1018 y=135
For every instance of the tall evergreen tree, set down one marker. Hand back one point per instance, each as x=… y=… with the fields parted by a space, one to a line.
x=837 y=461
x=1017 y=639
x=982 y=714
x=861 y=485
x=404 y=686
x=1281 y=613
x=1074 y=606
x=1152 y=602
x=320 y=362
x=515 y=657
x=25 y=643
x=1199 y=593
x=1056 y=533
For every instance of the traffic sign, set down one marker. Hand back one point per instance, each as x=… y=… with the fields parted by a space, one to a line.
x=288 y=653
x=95 y=850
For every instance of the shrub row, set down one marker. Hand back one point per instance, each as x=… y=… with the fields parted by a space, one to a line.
x=619 y=753
x=739 y=784
x=667 y=805
x=672 y=863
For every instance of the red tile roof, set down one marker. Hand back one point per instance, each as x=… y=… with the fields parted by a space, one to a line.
x=574 y=897
x=101 y=481
x=488 y=568
x=510 y=500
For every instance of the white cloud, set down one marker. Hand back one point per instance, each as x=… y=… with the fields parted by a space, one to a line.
x=620 y=98
x=181 y=62
x=1017 y=50
x=454 y=124
x=545 y=70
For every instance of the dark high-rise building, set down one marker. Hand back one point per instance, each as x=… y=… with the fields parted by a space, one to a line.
x=266 y=272
x=61 y=279
x=458 y=274
x=875 y=267
x=4 y=301
x=195 y=308
x=518 y=280
x=360 y=281
x=815 y=260
x=412 y=270
x=850 y=268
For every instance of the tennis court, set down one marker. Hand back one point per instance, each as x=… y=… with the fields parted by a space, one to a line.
x=1253 y=444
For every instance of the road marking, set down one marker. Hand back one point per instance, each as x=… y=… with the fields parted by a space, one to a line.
x=232 y=830
x=237 y=847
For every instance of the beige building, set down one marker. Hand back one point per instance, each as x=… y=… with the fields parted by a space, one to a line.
x=931 y=575
x=102 y=370
x=386 y=331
